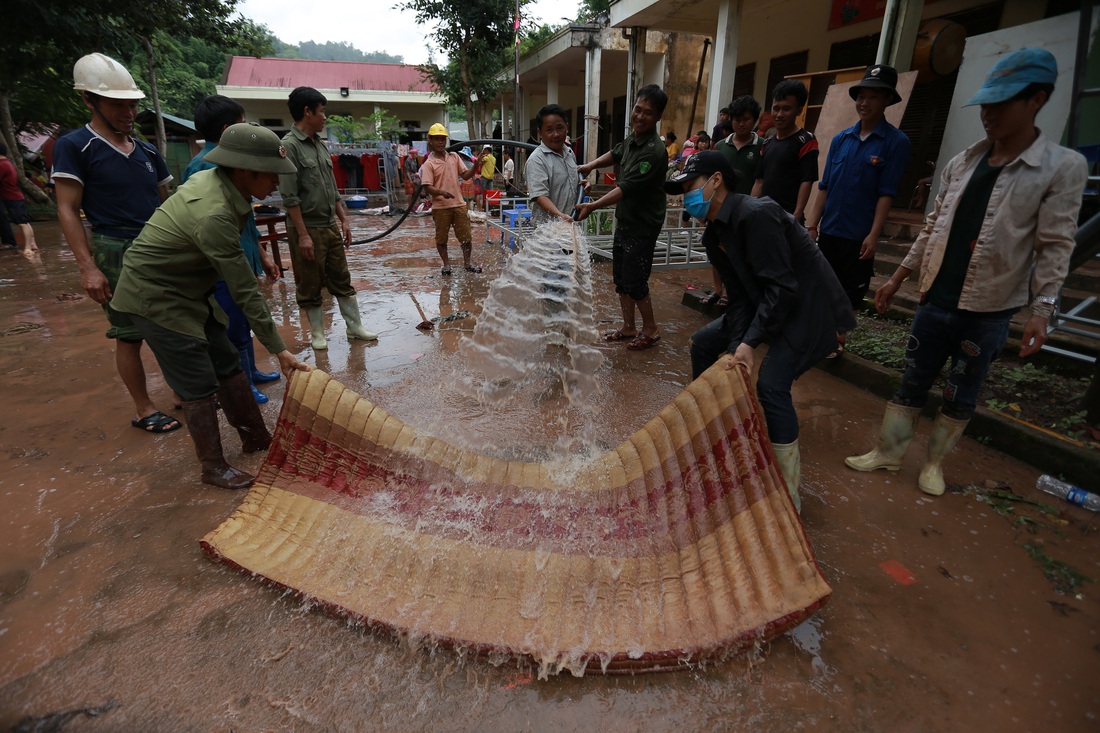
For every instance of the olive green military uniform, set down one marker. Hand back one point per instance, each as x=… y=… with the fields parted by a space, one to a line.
x=640 y=213
x=167 y=283
x=313 y=188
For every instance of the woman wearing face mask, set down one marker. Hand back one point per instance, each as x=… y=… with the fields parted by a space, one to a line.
x=781 y=293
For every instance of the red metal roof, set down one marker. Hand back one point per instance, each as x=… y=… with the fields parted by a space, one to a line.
x=248 y=71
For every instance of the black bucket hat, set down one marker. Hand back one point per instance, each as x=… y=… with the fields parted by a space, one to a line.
x=879 y=76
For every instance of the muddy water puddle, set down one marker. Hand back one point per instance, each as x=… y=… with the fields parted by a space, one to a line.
x=105 y=596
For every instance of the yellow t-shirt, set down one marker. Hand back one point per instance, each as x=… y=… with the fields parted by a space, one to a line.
x=488 y=166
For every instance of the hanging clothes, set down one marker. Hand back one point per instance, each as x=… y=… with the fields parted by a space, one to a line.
x=350 y=163
x=371 y=180
x=339 y=173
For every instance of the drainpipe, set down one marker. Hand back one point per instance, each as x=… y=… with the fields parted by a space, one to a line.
x=592 y=100
x=635 y=67
x=698 y=83
x=899 y=33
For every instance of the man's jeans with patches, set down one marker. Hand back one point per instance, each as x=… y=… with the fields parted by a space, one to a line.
x=969 y=340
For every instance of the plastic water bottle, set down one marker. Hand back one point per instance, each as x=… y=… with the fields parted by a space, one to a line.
x=1069 y=492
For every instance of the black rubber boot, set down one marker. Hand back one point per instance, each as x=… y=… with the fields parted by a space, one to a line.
x=201 y=417
x=235 y=397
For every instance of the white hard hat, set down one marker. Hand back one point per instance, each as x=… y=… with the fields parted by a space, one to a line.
x=104 y=76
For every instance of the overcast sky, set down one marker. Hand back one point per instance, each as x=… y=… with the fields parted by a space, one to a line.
x=369 y=25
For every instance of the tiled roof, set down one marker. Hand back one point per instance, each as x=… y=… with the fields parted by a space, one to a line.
x=248 y=71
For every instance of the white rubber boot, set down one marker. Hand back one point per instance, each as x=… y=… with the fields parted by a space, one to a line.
x=316 y=318
x=790 y=465
x=946 y=432
x=898 y=425
x=349 y=309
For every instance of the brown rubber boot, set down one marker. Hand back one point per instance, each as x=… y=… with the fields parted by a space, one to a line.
x=243 y=413
x=201 y=417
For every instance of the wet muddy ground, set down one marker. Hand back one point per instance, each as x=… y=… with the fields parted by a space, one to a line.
x=941 y=617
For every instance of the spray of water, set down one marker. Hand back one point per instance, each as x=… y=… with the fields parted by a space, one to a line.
x=534 y=339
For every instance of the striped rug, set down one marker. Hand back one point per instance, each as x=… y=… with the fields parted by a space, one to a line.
x=678 y=546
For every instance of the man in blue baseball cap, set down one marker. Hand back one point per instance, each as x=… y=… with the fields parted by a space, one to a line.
x=1000 y=238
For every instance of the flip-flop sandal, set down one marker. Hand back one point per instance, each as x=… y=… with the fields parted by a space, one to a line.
x=612 y=337
x=710 y=298
x=723 y=301
x=445 y=271
x=158 y=422
x=474 y=269
x=642 y=342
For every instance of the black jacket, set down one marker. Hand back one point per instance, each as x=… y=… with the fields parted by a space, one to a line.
x=778 y=283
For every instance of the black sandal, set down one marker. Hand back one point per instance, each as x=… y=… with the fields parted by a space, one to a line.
x=158 y=422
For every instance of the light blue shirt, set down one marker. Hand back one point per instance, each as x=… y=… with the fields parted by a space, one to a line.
x=553 y=176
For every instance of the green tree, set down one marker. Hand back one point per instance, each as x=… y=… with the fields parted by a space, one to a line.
x=379 y=125
x=530 y=41
x=36 y=68
x=190 y=67
x=342 y=51
x=36 y=79
x=589 y=9
x=475 y=35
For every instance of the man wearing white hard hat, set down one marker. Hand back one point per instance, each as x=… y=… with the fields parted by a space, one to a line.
x=118 y=181
x=166 y=290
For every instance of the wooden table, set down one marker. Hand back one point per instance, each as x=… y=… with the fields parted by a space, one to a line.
x=273 y=236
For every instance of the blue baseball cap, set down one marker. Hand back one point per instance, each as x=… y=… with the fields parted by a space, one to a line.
x=1013 y=73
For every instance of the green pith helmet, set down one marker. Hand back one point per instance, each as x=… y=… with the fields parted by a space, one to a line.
x=247 y=146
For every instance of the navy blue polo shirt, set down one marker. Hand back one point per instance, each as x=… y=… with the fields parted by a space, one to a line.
x=120 y=190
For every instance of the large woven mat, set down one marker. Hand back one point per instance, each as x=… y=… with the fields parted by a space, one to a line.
x=682 y=544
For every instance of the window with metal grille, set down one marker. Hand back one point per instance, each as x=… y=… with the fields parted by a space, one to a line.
x=744 y=80
x=783 y=66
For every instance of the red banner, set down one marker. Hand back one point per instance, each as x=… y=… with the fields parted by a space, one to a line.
x=849 y=12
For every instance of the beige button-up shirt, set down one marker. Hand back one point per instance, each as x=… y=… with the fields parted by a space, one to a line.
x=1031 y=219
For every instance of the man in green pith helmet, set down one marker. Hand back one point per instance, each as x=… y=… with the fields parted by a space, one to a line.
x=166 y=290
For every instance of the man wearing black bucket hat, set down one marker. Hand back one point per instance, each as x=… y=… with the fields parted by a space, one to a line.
x=781 y=290
x=858 y=186
x=166 y=289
